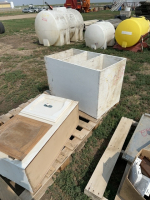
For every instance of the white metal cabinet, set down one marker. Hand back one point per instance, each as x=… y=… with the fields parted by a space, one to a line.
x=93 y=79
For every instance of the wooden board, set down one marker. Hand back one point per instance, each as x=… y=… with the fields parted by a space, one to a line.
x=98 y=182
x=20 y=134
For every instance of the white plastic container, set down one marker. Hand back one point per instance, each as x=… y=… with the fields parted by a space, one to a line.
x=59 y=26
x=93 y=79
x=12 y=5
x=127 y=8
x=100 y=35
x=46 y=108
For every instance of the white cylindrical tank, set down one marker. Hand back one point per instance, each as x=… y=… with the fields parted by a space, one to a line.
x=100 y=35
x=59 y=26
x=78 y=25
x=12 y=5
x=127 y=8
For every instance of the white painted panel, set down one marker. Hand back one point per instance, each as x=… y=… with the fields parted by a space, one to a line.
x=85 y=59
x=76 y=58
x=65 y=54
x=47 y=107
x=74 y=82
x=93 y=63
x=14 y=173
x=111 y=80
x=110 y=60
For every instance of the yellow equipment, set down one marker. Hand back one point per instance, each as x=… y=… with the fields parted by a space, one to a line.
x=129 y=31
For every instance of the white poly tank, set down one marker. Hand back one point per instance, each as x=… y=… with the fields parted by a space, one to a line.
x=12 y=5
x=100 y=35
x=59 y=26
x=127 y=8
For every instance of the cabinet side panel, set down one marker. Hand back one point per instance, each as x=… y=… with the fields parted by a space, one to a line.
x=74 y=82
x=14 y=173
x=111 y=80
x=40 y=165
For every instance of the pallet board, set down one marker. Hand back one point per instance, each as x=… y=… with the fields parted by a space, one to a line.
x=77 y=141
x=99 y=179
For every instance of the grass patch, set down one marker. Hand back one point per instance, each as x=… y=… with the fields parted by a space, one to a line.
x=11 y=13
x=21 y=48
x=18 y=26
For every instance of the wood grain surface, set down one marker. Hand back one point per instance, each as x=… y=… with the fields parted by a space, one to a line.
x=20 y=134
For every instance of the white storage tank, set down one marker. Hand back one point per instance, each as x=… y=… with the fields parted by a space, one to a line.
x=100 y=35
x=59 y=26
x=12 y=5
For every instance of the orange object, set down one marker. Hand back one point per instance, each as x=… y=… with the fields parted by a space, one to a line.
x=80 y=5
x=74 y=4
x=86 y=5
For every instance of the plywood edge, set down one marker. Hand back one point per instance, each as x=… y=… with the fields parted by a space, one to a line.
x=92 y=196
x=88 y=126
x=100 y=177
x=26 y=195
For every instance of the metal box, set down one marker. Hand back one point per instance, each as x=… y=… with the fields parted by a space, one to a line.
x=139 y=140
x=93 y=79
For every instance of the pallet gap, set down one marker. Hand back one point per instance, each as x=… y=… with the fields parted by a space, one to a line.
x=71 y=138
x=84 y=119
x=79 y=128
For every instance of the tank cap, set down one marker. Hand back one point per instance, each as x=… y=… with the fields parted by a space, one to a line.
x=124 y=44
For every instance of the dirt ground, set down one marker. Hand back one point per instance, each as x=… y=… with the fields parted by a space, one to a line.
x=18 y=17
x=19 y=54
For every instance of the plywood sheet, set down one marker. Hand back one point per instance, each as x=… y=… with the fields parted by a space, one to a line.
x=40 y=165
x=20 y=134
x=98 y=182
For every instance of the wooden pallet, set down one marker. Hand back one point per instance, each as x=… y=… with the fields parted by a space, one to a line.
x=77 y=141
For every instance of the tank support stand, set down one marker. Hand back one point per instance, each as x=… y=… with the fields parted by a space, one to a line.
x=137 y=47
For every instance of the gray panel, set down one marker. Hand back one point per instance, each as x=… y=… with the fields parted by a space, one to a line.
x=139 y=140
